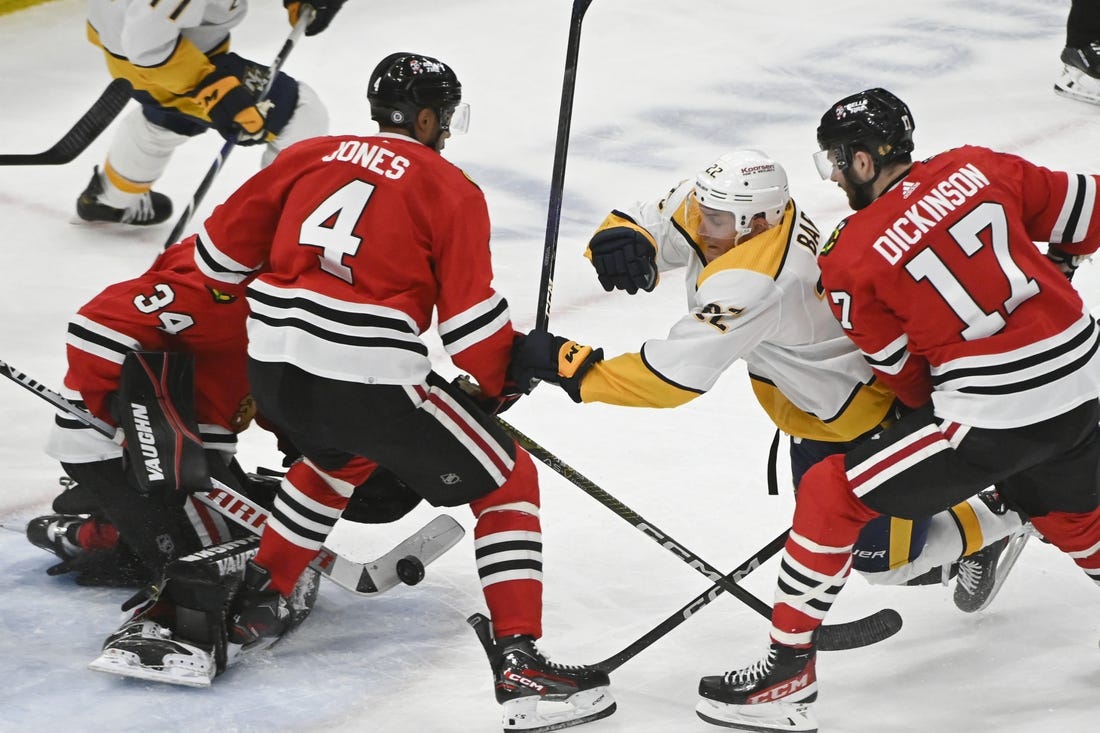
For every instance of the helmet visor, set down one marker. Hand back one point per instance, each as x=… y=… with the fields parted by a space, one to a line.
x=825 y=161
x=455 y=119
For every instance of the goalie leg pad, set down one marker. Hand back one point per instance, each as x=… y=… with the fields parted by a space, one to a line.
x=156 y=411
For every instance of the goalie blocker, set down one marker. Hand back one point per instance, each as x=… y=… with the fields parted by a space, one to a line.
x=156 y=411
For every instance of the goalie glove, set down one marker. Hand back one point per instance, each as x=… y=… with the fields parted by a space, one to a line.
x=1064 y=261
x=542 y=356
x=624 y=258
x=323 y=12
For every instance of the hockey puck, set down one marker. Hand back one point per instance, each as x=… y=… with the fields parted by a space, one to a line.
x=410 y=570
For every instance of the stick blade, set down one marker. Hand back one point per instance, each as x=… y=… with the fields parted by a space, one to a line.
x=879 y=626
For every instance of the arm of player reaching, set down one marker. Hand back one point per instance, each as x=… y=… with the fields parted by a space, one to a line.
x=635 y=243
x=668 y=371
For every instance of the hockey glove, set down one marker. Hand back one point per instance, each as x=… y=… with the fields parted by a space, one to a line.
x=624 y=258
x=491 y=405
x=540 y=355
x=323 y=12
x=232 y=109
x=1064 y=261
x=381 y=499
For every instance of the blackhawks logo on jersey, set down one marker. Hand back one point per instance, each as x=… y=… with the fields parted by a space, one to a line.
x=219 y=296
x=833 y=238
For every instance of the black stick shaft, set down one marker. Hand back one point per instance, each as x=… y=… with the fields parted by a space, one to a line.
x=638 y=522
x=57 y=400
x=561 y=151
x=691 y=607
x=82 y=134
x=828 y=637
x=304 y=19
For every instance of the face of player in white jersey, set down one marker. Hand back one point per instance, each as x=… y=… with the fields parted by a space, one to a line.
x=718 y=230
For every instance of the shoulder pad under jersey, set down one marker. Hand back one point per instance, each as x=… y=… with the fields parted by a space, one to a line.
x=471 y=180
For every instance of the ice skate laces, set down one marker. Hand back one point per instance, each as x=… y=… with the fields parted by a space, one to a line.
x=528 y=646
x=141 y=210
x=970 y=574
x=754 y=672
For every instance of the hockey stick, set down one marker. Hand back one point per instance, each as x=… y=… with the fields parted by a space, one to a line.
x=59 y=401
x=557 y=180
x=97 y=119
x=481 y=624
x=861 y=632
x=403 y=564
x=304 y=19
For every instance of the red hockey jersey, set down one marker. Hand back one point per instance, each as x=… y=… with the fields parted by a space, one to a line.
x=171 y=307
x=941 y=285
x=356 y=241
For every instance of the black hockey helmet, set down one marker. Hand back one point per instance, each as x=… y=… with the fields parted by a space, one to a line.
x=874 y=121
x=404 y=83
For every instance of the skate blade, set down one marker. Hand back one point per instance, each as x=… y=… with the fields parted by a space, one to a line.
x=175 y=672
x=761 y=718
x=537 y=715
x=1008 y=558
x=1075 y=84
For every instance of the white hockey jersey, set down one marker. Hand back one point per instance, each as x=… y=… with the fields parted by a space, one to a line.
x=163 y=48
x=147 y=33
x=758 y=302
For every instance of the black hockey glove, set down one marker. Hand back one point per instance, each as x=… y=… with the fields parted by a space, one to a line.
x=1064 y=261
x=381 y=499
x=540 y=355
x=624 y=258
x=491 y=405
x=229 y=104
x=323 y=10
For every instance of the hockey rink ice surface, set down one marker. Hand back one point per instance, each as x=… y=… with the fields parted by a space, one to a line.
x=662 y=89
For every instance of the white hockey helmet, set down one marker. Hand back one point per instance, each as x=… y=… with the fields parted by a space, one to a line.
x=744 y=183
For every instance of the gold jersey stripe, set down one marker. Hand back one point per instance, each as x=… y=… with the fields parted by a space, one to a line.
x=901 y=541
x=970 y=527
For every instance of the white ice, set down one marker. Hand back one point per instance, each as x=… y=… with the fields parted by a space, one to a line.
x=662 y=88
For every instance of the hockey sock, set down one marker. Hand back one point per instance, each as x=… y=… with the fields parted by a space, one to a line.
x=306 y=507
x=96 y=535
x=508 y=547
x=817 y=557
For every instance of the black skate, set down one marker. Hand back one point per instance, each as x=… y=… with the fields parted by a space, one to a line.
x=978 y=576
x=88 y=547
x=148 y=208
x=59 y=534
x=1080 y=77
x=146 y=650
x=537 y=694
x=259 y=615
x=774 y=694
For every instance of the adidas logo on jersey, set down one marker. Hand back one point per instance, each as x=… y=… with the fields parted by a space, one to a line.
x=907 y=189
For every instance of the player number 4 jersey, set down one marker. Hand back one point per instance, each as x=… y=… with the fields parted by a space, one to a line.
x=354 y=242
